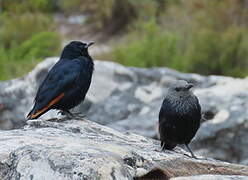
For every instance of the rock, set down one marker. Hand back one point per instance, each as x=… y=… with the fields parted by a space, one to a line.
x=212 y=177
x=225 y=135
x=117 y=93
x=16 y=96
x=81 y=149
x=128 y=99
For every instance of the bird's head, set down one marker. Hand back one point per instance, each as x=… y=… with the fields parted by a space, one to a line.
x=75 y=49
x=180 y=89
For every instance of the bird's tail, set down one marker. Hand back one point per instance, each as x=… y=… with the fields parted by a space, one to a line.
x=35 y=113
x=31 y=114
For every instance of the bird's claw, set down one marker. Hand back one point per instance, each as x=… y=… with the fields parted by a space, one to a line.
x=70 y=115
x=60 y=113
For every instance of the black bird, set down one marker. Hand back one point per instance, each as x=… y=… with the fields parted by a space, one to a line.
x=179 y=116
x=67 y=82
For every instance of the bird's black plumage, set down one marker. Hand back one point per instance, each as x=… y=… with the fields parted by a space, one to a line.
x=179 y=116
x=67 y=82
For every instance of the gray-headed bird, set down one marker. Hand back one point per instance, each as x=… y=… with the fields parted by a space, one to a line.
x=179 y=116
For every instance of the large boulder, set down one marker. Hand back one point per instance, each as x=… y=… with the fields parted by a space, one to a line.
x=81 y=149
x=225 y=134
x=128 y=99
x=116 y=93
x=16 y=96
x=212 y=177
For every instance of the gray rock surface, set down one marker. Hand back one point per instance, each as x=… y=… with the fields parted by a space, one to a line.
x=16 y=96
x=80 y=149
x=128 y=99
x=225 y=136
x=212 y=177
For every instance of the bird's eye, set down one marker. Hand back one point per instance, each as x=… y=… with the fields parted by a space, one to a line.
x=177 y=89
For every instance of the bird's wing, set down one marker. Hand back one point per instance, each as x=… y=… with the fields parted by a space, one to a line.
x=165 y=110
x=61 y=77
x=196 y=114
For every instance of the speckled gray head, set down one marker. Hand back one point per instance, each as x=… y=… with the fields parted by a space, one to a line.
x=180 y=88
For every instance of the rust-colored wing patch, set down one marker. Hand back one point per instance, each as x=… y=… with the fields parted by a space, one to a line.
x=54 y=101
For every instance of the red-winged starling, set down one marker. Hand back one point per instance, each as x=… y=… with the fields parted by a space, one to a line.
x=67 y=82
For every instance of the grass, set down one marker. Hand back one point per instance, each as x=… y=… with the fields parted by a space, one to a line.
x=198 y=36
x=25 y=39
x=18 y=60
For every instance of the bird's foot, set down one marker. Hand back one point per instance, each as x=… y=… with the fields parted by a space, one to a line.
x=197 y=158
x=191 y=152
x=60 y=113
x=190 y=156
x=70 y=115
x=162 y=149
x=193 y=156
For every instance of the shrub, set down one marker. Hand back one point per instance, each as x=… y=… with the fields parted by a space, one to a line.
x=210 y=52
x=20 y=59
x=41 y=45
x=205 y=51
x=24 y=40
x=16 y=28
x=206 y=37
x=153 y=48
x=20 y=6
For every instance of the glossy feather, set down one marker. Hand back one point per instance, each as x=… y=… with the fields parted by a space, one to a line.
x=69 y=76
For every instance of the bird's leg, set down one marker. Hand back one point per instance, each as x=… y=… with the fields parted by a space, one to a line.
x=70 y=115
x=191 y=152
x=66 y=113
x=162 y=146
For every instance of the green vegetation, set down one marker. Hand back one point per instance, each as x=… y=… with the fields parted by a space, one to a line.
x=20 y=6
x=218 y=53
x=20 y=59
x=25 y=38
x=16 y=28
x=206 y=37
x=149 y=49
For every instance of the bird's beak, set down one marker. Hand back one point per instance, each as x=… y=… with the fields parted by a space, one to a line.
x=188 y=86
x=89 y=44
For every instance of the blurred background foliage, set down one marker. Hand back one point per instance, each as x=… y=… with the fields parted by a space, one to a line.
x=27 y=35
x=201 y=36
